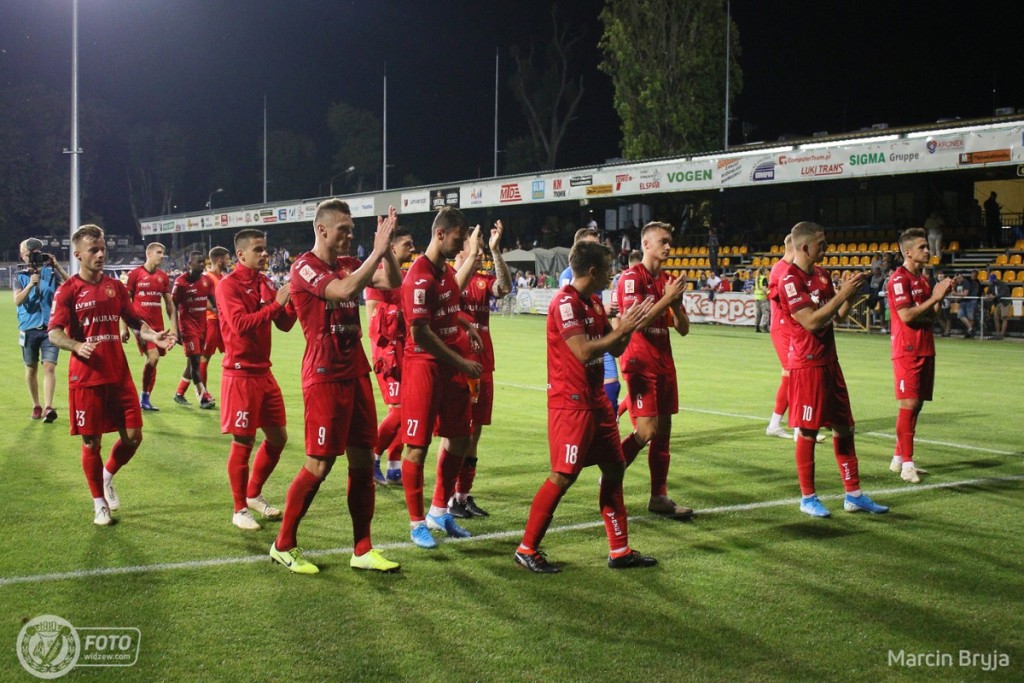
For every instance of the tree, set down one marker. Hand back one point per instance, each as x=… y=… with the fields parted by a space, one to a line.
x=357 y=134
x=155 y=168
x=291 y=165
x=548 y=91
x=666 y=59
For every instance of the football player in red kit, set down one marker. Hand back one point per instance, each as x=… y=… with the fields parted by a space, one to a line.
x=193 y=295
x=150 y=289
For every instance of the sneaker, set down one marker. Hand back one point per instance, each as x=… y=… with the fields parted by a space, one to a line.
x=420 y=535
x=378 y=476
x=37 y=412
x=146 y=405
x=813 y=507
x=49 y=415
x=862 y=503
x=102 y=517
x=260 y=505
x=293 y=559
x=394 y=477
x=181 y=400
x=896 y=467
x=780 y=432
x=207 y=402
x=631 y=560
x=475 y=509
x=110 y=495
x=446 y=523
x=909 y=475
x=663 y=505
x=458 y=510
x=372 y=559
x=536 y=562
x=243 y=519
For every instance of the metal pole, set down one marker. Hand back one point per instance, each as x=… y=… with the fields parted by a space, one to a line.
x=74 y=151
x=496 y=58
x=384 y=170
x=264 y=149
x=728 y=28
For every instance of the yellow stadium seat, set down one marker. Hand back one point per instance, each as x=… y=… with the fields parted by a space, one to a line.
x=844 y=260
x=703 y=251
x=689 y=286
x=1017 y=293
x=743 y=250
x=774 y=261
x=724 y=262
x=862 y=247
x=724 y=250
x=1002 y=260
x=871 y=247
x=774 y=249
x=1009 y=276
x=1018 y=245
x=982 y=275
x=954 y=246
x=934 y=260
x=1015 y=260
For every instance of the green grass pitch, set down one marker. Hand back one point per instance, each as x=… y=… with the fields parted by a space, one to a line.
x=751 y=589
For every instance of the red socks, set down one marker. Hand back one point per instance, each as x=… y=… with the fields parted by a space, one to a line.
x=805 y=465
x=630 y=448
x=300 y=496
x=267 y=457
x=782 y=396
x=387 y=432
x=148 y=378
x=613 y=512
x=658 y=458
x=464 y=484
x=448 y=467
x=846 y=458
x=120 y=454
x=182 y=388
x=238 y=472
x=92 y=465
x=361 y=500
x=412 y=485
x=202 y=370
x=542 y=510
x=906 y=424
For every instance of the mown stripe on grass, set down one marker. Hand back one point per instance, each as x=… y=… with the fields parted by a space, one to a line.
x=497 y=535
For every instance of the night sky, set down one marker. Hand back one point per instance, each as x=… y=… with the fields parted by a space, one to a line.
x=206 y=64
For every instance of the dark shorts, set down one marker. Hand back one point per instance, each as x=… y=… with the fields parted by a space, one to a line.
x=36 y=343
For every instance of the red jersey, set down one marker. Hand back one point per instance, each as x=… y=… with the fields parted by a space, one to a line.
x=906 y=290
x=649 y=350
x=191 y=299
x=779 y=322
x=476 y=308
x=573 y=385
x=798 y=290
x=332 y=329
x=431 y=295
x=248 y=304
x=387 y=324
x=147 y=291
x=89 y=312
x=215 y=279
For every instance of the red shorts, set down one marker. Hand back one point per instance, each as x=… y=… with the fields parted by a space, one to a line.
x=780 y=340
x=483 y=404
x=340 y=415
x=192 y=341
x=434 y=399
x=818 y=397
x=104 y=408
x=213 y=342
x=250 y=402
x=915 y=377
x=144 y=347
x=580 y=438
x=651 y=394
x=387 y=368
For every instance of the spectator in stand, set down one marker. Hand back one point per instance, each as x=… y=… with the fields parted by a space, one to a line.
x=967 y=290
x=999 y=298
x=934 y=225
x=531 y=279
x=550 y=282
x=945 y=319
x=993 y=220
x=762 y=307
x=724 y=285
x=712 y=284
x=713 y=250
x=737 y=282
x=521 y=281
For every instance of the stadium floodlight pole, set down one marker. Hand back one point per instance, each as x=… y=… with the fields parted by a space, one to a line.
x=264 y=149
x=338 y=175
x=384 y=173
x=74 y=150
x=209 y=201
x=728 y=21
x=496 y=58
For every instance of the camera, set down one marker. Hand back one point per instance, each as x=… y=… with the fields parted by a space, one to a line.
x=36 y=258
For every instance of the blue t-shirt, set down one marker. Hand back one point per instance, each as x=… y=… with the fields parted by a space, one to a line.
x=34 y=311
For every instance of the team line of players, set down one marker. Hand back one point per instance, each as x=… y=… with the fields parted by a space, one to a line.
x=434 y=363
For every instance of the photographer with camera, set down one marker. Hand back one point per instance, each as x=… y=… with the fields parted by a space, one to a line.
x=34 y=286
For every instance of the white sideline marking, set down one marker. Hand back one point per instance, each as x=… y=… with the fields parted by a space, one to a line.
x=880 y=435
x=495 y=535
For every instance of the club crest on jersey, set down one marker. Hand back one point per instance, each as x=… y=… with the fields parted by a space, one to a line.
x=822 y=279
x=419 y=296
x=566 y=311
x=307 y=273
x=480 y=284
x=109 y=291
x=629 y=286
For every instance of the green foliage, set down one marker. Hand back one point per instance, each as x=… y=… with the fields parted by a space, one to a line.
x=291 y=165
x=744 y=592
x=666 y=59
x=358 y=142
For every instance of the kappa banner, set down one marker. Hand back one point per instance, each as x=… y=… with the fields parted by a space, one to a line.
x=728 y=308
